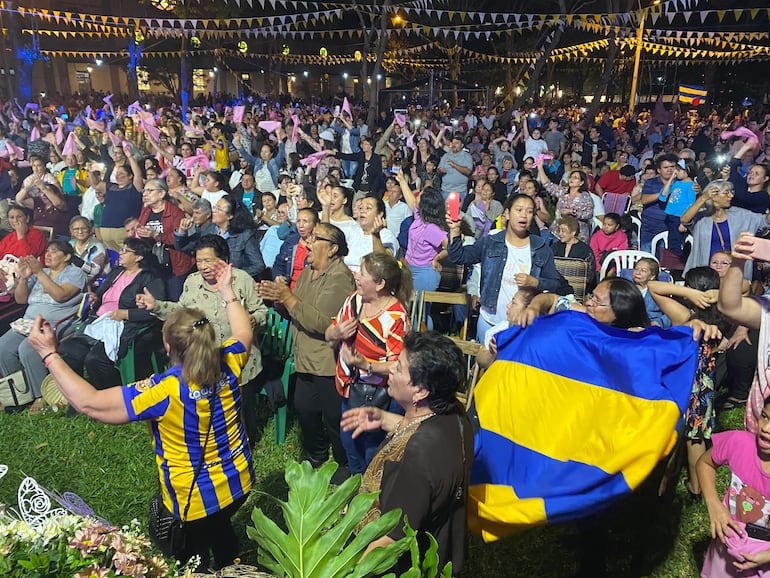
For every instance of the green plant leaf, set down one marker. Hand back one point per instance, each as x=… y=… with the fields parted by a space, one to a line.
x=273 y=544
x=447 y=571
x=381 y=560
x=430 y=560
x=317 y=541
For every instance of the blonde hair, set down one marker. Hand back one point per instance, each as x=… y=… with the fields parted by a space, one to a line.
x=192 y=342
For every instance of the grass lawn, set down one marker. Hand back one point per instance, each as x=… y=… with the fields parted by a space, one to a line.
x=113 y=470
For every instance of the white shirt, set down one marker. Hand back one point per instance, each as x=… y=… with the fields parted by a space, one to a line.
x=360 y=244
x=534 y=147
x=395 y=215
x=264 y=180
x=519 y=261
x=212 y=197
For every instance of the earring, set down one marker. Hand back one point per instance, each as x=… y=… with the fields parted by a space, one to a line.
x=414 y=403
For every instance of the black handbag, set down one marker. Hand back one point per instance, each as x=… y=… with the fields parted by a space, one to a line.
x=361 y=394
x=167 y=531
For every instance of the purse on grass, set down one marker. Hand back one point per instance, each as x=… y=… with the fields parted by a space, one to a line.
x=166 y=530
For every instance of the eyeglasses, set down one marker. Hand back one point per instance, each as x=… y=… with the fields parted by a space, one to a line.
x=592 y=297
x=314 y=238
x=727 y=193
x=125 y=249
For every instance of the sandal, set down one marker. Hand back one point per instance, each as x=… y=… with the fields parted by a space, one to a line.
x=733 y=402
x=37 y=406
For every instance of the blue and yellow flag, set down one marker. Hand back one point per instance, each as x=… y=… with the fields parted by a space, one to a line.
x=573 y=414
x=691 y=94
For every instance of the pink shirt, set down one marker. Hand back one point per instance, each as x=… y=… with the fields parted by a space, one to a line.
x=112 y=295
x=425 y=240
x=602 y=243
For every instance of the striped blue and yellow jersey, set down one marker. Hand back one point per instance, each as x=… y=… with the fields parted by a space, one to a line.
x=179 y=414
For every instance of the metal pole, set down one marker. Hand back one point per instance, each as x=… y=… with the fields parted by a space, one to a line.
x=637 y=59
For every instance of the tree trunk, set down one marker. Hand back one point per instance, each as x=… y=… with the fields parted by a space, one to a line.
x=185 y=79
x=133 y=62
x=534 y=84
x=601 y=88
x=22 y=55
x=382 y=43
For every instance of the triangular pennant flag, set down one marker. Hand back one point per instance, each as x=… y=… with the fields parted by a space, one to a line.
x=34 y=134
x=59 y=134
x=346 y=107
x=400 y=119
x=70 y=147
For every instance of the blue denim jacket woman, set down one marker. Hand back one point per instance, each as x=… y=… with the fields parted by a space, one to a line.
x=274 y=163
x=491 y=251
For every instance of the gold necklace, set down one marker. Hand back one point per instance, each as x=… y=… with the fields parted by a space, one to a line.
x=413 y=423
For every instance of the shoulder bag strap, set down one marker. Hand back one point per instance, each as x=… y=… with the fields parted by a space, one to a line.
x=201 y=460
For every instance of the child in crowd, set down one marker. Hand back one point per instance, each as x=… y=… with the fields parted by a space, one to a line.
x=645 y=270
x=608 y=239
x=747 y=455
x=520 y=301
x=678 y=194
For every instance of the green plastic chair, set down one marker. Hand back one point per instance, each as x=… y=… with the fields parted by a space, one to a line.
x=127 y=364
x=277 y=348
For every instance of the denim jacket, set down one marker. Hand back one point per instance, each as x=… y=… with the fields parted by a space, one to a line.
x=273 y=165
x=492 y=252
x=284 y=262
x=355 y=135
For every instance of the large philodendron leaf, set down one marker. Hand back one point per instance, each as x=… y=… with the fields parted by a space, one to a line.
x=272 y=545
x=317 y=542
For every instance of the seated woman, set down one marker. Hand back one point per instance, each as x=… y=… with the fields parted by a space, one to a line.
x=231 y=221
x=52 y=292
x=569 y=246
x=158 y=221
x=424 y=463
x=369 y=332
x=645 y=270
x=96 y=350
x=90 y=254
x=24 y=240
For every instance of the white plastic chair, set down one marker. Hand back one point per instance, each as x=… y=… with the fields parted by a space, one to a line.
x=623 y=260
x=660 y=238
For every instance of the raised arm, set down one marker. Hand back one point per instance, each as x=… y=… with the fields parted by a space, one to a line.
x=105 y=405
x=738 y=309
x=406 y=190
x=662 y=294
x=689 y=215
x=238 y=318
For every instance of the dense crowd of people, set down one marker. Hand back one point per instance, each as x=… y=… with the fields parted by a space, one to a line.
x=127 y=215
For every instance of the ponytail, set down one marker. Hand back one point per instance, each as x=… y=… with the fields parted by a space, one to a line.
x=192 y=342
